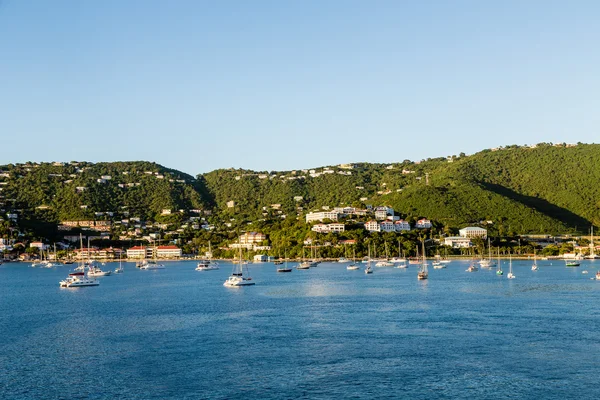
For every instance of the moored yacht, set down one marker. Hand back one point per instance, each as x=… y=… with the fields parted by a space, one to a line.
x=240 y=275
x=78 y=279
x=207 y=265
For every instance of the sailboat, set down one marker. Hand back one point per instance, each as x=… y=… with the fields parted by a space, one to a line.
x=207 y=265
x=119 y=269
x=534 y=267
x=285 y=268
x=78 y=279
x=423 y=274
x=400 y=258
x=499 y=270
x=353 y=266
x=239 y=275
x=592 y=255
x=510 y=273
x=369 y=269
x=488 y=263
x=304 y=264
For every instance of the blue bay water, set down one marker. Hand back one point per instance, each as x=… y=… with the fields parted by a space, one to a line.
x=315 y=334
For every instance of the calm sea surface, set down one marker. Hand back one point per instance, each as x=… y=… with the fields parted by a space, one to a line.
x=314 y=334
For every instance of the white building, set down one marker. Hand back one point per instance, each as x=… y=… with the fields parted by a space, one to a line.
x=320 y=216
x=372 y=226
x=423 y=223
x=252 y=238
x=472 y=232
x=401 y=225
x=329 y=228
x=383 y=212
x=457 y=242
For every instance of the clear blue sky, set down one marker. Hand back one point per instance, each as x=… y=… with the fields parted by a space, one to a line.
x=274 y=85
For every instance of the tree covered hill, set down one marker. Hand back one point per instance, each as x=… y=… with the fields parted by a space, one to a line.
x=538 y=189
x=541 y=189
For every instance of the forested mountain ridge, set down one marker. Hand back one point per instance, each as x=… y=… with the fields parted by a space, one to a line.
x=541 y=189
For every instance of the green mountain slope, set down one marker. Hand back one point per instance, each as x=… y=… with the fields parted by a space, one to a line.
x=546 y=189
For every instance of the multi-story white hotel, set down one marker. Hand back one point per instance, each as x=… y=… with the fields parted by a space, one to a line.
x=457 y=242
x=472 y=232
x=320 y=216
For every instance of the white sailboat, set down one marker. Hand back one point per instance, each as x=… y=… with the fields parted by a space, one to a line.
x=353 y=266
x=510 y=273
x=239 y=275
x=369 y=269
x=499 y=270
x=592 y=255
x=423 y=273
x=534 y=267
x=119 y=269
x=487 y=262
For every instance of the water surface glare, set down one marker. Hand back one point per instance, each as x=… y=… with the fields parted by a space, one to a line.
x=314 y=334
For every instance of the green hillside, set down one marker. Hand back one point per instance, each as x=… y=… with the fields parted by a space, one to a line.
x=513 y=190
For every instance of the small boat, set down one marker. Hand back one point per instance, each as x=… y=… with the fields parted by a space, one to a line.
x=207 y=265
x=510 y=273
x=369 y=269
x=239 y=275
x=572 y=263
x=472 y=268
x=584 y=272
x=423 y=274
x=598 y=275
x=78 y=279
x=152 y=264
x=285 y=268
x=353 y=266
x=119 y=269
x=403 y=265
x=384 y=263
x=438 y=265
x=94 y=270
x=534 y=267
x=303 y=265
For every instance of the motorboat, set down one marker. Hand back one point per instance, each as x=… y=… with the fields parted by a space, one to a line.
x=207 y=265
x=438 y=265
x=152 y=264
x=94 y=270
x=78 y=279
x=352 y=267
x=384 y=263
x=472 y=268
